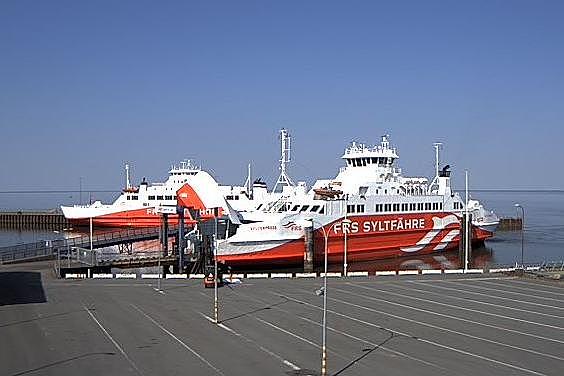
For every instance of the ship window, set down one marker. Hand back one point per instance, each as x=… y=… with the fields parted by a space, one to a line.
x=378 y=207
x=128 y=197
x=412 y=207
x=315 y=208
x=360 y=208
x=420 y=206
x=151 y=197
x=440 y=206
x=322 y=210
x=145 y=204
x=385 y=191
x=350 y=209
x=359 y=162
x=160 y=198
x=236 y=197
x=403 y=207
x=427 y=206
x=168 y=197
x=364 y=161
x=304 y=208
x=396 y=207
x=295 y=208
x=435 y=206
x=134 y=197
x=374 y=160
x=387 y=207
x=174 y=197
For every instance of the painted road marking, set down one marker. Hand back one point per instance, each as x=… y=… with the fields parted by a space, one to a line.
x=446 y=329
x=130 y=361
x=484 y=303
x=204 y=360
x=262 y=348
x=437 y=344
x=489 y=296
x=471 y=310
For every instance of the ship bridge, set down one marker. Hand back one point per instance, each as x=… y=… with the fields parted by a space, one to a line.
x=361 y=155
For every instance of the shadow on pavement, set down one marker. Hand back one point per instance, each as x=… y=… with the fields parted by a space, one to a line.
x=21 y=288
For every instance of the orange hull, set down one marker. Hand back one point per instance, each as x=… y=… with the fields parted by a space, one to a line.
x=362 y=246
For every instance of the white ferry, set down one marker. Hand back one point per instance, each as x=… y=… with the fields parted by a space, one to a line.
x=369 y=209
x=136 y=206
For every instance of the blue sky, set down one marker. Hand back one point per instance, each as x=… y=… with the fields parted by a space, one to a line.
x=86 y=86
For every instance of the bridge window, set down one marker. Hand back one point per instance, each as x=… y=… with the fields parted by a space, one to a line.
x=304 y=208
x=314 y=208
x=322 y=210
x=360 y=208
x=295 y=208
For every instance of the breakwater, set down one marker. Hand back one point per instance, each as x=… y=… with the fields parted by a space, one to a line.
x=33 y=220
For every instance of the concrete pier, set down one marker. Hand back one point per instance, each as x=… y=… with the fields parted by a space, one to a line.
x=33 y=220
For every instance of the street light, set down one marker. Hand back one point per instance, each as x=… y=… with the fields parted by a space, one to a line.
x=324 y=333
x=522 y=234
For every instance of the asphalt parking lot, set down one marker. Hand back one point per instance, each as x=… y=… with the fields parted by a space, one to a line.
x=417 y=325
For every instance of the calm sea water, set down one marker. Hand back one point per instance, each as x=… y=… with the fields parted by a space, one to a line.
x=544 y=224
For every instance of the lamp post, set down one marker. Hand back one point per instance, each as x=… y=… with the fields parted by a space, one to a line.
x=215 y=302
x=345 y=264
x=522 y=235
x=324 y=333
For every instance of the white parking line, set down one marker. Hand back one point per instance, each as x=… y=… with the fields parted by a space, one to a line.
x=437 y=344
x=480 y=302
x=476 y=311
x=204 y=360
x=246 y=339
x=512 y=292
x=538 y=284
x=120 y=349
x=343 y=333
x=523 y=288
x=443 y=328
x=489 y=296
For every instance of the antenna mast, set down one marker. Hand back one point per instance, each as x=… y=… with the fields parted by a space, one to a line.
x=127 y=180
x=285 y=146
x=435 y=182
x=437 y=146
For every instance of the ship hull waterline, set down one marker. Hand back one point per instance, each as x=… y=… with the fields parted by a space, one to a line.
x=361 y=247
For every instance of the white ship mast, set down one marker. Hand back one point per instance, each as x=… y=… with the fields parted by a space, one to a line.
x=284 y=179
x=127 y=179
x=435 y=183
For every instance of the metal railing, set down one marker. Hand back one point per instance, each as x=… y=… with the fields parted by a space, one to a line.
x=49 y=248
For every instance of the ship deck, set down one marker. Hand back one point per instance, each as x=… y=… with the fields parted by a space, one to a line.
x=417 y=325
